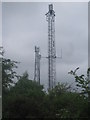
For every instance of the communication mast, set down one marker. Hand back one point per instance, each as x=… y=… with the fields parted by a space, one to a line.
x=37 y=64
x=1 y=50
x=50 y=17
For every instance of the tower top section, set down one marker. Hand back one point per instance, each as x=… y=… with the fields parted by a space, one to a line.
x=50 y=7
x=36 y=49
x=51 y=11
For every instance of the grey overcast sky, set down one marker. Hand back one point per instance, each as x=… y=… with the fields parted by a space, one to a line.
x=24 y=25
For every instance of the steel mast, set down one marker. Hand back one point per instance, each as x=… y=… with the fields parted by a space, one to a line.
x=50 y=17
x=37 y=64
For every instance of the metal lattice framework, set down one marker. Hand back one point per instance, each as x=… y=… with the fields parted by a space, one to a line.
x=50 y=17
x=37 y=65
x=1 y=50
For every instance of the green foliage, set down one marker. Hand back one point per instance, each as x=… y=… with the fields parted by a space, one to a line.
x=27 y=99
x=60 y=89
x=24 y=99
x=82 y=81
x=8 y=74
x=66 y=104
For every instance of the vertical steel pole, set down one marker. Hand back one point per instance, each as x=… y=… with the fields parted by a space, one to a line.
x=51 y=48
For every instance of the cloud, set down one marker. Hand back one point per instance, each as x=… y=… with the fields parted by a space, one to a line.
x=25 y=25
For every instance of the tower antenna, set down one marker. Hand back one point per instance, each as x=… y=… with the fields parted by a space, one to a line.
x=37 y=64
x=50 y=17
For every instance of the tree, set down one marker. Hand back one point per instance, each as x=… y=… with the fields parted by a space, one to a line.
x=24 y=100
x=8 y=73
x=82 y=81
x=61 y=102
x=27 y=99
